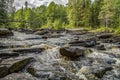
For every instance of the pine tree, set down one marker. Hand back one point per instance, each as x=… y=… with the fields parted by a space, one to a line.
x=107 y=13
x=79 y=12
x=3 y=12
x=95 y=10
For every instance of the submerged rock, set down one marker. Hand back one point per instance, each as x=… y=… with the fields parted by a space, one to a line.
x=40 y=70
x=44 y=46
x=28 y=50
x=5 y=32
x=18 y=76
x=87 y=43
x=93 y=72
x=101 y=71
x=105 y=35
x=5 y=55
x=48 y=72
x=74 y=52
x=100 y=47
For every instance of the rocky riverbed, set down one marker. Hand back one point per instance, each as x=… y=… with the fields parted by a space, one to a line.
x=59 y=55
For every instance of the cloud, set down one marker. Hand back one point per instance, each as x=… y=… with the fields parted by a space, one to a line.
x=35 y=3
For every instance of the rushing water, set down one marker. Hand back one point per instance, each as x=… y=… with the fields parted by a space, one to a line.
x=51 y=62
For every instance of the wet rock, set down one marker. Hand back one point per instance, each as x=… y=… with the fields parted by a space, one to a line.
x=101 y=71
x=112 y=75
x=32 y=71
x=6 y=45
x=39 y=70
x=100 y=47
x=105 y=35
x=5 y=55
x=15 y=65
x=28 y=50
x=5 y=32
x=116 y=39
x=74 y=51
x=87 y=43
x=39 y=73
x=18 y=76
x=3 y=71
x=94 y=72
x=53 y=35
x=42 y=32
x=20 y=65
x=27 y=31
x=0 y=60
x=48 y=72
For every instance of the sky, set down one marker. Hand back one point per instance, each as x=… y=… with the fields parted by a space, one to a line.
x=34 y=3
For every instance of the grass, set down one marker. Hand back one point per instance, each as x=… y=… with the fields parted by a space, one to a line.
x=103 y=29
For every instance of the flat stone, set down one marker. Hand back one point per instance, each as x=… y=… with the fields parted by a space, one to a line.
x=85 y=43
x=5 y=32
x=74 y=51
x=5 y=55
x=3 y=71
x=28 y=50
x=17 y=64
x=105 y=35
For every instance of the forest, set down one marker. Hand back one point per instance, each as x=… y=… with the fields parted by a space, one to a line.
x=76 y=14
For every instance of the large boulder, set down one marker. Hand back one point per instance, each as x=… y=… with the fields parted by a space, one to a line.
x=5 y=32
x=3 y=71
x=74 y=51
x=17 y=64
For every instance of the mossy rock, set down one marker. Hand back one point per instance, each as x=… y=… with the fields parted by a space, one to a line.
x=20 y=65
x=5 y=32
x=3 y=71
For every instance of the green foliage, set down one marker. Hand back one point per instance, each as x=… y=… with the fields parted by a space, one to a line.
x=3 y=13
x=95 y=9
x=77 y=13
x=53 y=16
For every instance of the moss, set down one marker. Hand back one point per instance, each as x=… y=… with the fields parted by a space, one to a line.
x=19 y=65
x=3 y=71
x=32 y=71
